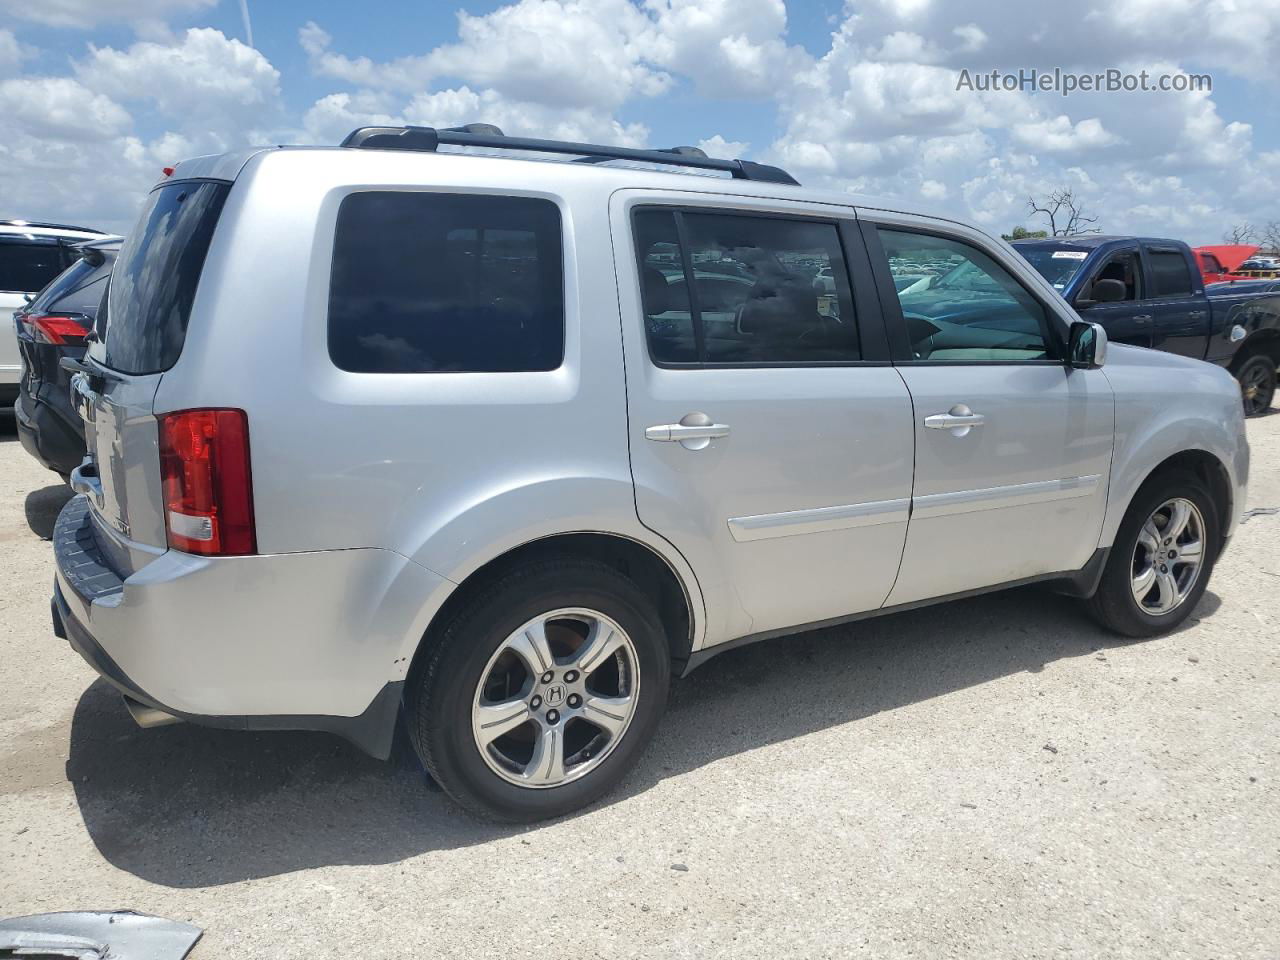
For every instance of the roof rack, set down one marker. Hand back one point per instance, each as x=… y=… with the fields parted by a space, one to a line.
x=427 y=139
x=40 y=225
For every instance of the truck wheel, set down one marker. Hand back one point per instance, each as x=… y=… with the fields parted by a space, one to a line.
x=1257 y=376
x=1161 y=559
x=542 y=692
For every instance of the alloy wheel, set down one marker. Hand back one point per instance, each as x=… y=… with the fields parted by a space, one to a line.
x=1257 y=388
x=556 y=698
x=1168 y=556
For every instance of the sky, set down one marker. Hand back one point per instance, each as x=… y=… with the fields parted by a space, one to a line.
x=861 y=97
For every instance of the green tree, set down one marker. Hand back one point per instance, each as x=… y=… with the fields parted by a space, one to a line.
x=1022 y=233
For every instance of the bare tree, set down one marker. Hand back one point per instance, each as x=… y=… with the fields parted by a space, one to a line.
x=1271 y=236
x=1064 y=212
x=1239 y=233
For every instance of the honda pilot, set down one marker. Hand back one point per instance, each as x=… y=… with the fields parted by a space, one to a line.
x=494 y=437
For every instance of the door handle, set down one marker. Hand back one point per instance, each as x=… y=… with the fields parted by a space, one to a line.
x=695 y=431
x=1143 y=318
x=959 y=420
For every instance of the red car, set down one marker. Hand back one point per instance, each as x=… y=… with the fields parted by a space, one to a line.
x=1218 y=264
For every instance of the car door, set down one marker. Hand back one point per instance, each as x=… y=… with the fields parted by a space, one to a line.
x=1013 y=448
x=1128 y=320
x=1180 y=312
x=770 y=436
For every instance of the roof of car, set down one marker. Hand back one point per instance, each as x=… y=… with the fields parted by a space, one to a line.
x=1086 y=241
x=36 y=228
x=624 y=166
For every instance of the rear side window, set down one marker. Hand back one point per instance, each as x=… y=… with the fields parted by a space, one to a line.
x=154 y=281
x=26 y=266
x=78 y=289
x=435 y=283
x=69 y=280
x=739 y=289
x=1169 y=274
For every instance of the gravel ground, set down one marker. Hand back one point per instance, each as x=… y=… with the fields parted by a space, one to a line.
x=990 y=778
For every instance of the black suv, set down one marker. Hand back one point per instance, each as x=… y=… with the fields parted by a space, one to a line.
x=57 y=324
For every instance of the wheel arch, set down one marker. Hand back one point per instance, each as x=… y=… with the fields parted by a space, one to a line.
x=1211 y=470
x=1265 y=341
x=679 y=603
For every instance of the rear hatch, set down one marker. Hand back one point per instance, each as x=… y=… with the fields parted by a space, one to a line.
x=140 y=332
x=56 y=322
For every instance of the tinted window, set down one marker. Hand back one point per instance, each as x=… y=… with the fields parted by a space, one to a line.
x=154 y=281
x=78 y=289
x=1169 y=274
x=26 y=266
x=959 y=305
x=764 y=289
x=429 y=282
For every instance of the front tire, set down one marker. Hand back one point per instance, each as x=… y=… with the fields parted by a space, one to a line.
x=542 y=691
x=1162 y=557
x=1257 y=378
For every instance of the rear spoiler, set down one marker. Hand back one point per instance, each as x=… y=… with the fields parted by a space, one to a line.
x=91 y=250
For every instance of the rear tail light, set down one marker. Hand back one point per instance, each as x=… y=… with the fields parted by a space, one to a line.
x=57 y=328
x=208 y=493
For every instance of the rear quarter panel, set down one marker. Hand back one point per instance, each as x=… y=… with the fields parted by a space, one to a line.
x=1257 y=314
x=447 y=469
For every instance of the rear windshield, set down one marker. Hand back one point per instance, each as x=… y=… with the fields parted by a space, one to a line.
x=154 y=281
x=78 y=287
x=27 y=265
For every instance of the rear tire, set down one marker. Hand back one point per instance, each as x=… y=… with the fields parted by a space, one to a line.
x=570 y=729
x=1257 y=378
x=1149 y=585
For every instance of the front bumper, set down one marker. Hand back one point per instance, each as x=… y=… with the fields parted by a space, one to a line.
x=308 y=641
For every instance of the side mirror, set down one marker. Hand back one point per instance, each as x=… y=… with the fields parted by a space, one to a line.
x=1087 y=345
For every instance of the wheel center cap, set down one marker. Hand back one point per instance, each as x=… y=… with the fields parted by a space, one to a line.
x=555 y=695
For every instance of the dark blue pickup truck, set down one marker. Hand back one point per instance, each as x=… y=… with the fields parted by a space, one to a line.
x=1149 y=292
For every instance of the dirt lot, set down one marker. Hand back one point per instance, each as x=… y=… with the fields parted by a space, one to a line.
x=991 y=778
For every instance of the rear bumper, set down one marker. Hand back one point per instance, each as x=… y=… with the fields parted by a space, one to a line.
x=287 y=642
x=49 y=430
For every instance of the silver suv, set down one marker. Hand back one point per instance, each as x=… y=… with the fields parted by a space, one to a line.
x=502 y=443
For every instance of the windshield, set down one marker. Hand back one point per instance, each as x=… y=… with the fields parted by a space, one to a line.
x=1056 y=264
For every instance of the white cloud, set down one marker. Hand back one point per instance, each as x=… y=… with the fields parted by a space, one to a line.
x=205 y=78
x=933 y=190
x=1060 y=135
x=69 y=146
x=60 y=108
x=568 y=53
x=718 y=146
x=87 y=13
x=877 y=112
x=12 y=53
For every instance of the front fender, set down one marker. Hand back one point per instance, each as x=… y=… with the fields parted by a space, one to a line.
x=1195 y=408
